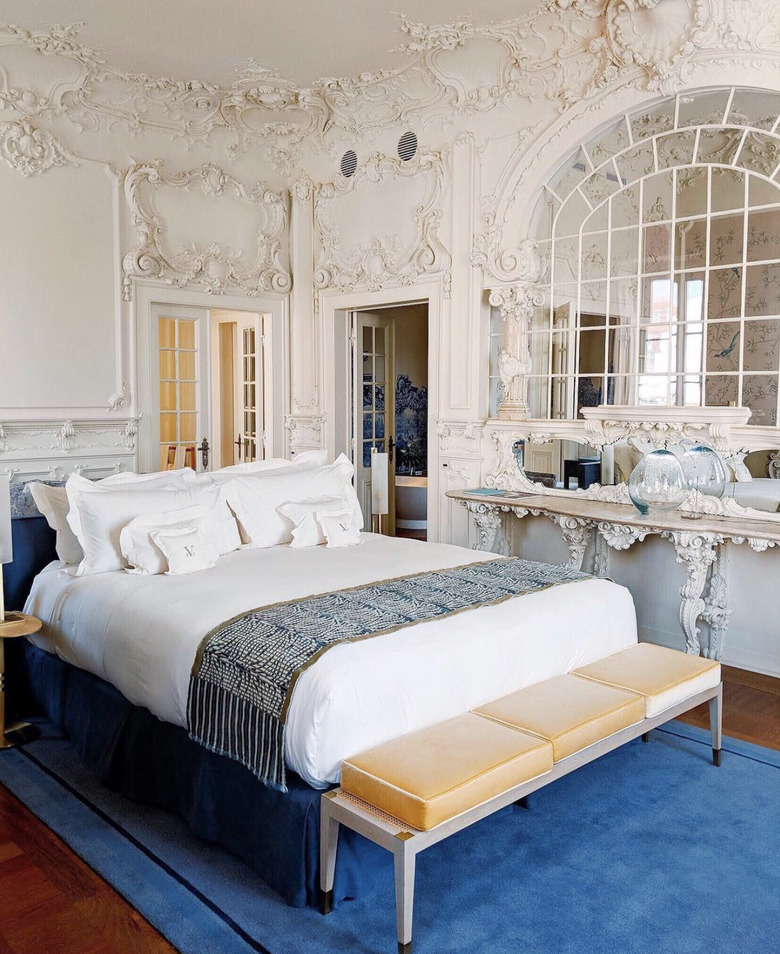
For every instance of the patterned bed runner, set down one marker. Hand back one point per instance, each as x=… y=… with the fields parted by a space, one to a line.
x=246 y=669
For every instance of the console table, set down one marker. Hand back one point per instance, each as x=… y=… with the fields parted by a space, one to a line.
x=700 y=545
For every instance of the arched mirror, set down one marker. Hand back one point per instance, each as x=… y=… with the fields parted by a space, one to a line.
x=659 y=241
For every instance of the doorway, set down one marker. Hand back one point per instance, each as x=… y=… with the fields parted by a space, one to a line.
x=389 y=385
x=240 y=356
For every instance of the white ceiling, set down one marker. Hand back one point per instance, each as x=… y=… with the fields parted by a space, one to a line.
x=209 y=39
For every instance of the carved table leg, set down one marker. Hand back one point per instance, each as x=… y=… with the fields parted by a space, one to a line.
x=577 y=534
x=488 y=520
x=697 y=552
x=716 y=603
x=600 y=557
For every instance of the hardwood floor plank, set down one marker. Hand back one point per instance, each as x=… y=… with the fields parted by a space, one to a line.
x=53 y=903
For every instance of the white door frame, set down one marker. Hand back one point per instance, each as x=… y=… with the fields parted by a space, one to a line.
x=335 y=306
x=148 y=294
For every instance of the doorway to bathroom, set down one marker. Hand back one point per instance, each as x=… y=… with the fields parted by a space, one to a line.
x=390 y=411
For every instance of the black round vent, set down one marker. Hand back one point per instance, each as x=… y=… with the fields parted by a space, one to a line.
x=407 y=146
x=349 y=163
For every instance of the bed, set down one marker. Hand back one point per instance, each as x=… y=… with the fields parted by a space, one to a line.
x=113 y=661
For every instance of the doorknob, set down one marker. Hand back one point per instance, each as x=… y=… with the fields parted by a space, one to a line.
x=390 y=448
x=239 y=444
x=204 y=453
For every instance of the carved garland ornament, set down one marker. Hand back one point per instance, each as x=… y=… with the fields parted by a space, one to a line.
x=383 y=261
x=216 y=268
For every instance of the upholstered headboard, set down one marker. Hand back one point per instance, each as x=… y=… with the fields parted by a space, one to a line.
x=33 y=542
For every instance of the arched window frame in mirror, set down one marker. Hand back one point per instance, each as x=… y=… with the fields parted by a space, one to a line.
x=608 y=283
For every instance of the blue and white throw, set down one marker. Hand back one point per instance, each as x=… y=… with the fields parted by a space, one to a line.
x=245 y=670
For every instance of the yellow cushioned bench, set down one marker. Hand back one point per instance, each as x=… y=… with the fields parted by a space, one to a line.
x=411 y=792
x=426 y=777
x=569 y=712
x=663 y=676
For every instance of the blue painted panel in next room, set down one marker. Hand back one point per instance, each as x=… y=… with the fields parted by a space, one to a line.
x=411 y=425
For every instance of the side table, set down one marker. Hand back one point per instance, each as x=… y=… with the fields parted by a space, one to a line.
x=14 y=624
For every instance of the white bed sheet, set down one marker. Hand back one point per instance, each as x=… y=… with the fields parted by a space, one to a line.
x=142 y=633
x=762 y=493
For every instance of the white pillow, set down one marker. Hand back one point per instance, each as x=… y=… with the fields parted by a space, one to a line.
x=165 y=479
x=186 y=550
x=254 y=498
x=102 y=513
x=160 y=478
x=314 y=458
x=53 y=504
x=144 y=556
x=305 y=516
x=338 y=529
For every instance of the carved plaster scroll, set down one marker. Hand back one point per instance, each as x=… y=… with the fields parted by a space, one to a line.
x=30 y=150
x=216 y=268
x=384 y=260
x=697 y=552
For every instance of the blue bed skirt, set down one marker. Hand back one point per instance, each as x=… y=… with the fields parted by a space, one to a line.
x=156 y=763
x=134 y=753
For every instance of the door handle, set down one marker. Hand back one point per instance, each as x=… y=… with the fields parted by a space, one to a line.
x=390 y=448
x=204 y=453
x=239 y=444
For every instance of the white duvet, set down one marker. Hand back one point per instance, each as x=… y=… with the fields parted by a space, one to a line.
x=141 y=633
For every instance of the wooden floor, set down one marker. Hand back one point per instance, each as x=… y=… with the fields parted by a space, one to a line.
x=751 y=708
x=52 y=903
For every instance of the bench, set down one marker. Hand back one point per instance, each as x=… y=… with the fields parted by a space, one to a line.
x=412 y=792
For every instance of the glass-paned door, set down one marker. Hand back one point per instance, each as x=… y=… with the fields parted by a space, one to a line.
x=374 y=406
x=248 y=377
x=182 y=412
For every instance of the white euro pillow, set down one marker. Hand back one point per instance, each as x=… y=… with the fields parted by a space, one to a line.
x=78 y=486
x=255 y=498
x=314 y=458
x=102 y=513
x=216 y=523
x=160 y=478
x=304 y=514
x=186 y=550
x=53 y=504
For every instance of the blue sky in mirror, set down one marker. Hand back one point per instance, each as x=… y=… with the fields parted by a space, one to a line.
x=411 y=425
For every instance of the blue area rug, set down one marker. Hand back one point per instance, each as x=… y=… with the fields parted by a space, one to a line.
x=650 y=849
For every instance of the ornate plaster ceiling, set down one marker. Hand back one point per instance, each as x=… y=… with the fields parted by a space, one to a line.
x=304 y=40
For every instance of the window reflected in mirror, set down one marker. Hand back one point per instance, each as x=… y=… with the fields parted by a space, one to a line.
x=660 y=261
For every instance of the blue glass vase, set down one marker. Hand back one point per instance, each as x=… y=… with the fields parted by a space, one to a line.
x=657 y=483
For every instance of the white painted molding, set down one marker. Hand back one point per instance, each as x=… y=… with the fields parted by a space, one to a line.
x=30 y=150
x=215 y=268
x=384 y=260
x=34 y=440
x=608 y=424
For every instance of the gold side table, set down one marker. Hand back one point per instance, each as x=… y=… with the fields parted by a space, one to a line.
x=14 y=624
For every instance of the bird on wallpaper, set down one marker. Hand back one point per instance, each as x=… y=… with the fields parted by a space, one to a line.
x=727 y=351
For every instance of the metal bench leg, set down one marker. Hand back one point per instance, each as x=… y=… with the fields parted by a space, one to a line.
x=329 y=843
x=716 y=725
x=404 y=891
